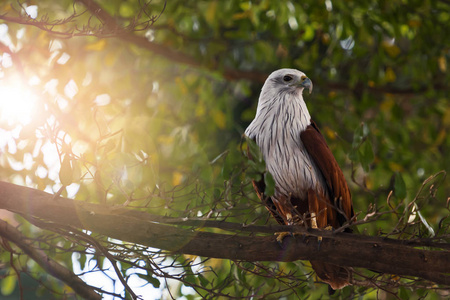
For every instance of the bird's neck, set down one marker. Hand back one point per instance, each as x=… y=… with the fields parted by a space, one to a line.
x=288 y=112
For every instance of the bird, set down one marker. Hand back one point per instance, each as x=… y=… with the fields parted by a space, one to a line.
x=310 y=187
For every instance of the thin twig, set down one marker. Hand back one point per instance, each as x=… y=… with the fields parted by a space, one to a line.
x=52 y=267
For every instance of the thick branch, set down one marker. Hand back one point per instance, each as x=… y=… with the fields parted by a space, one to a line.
x=382 y=255
x=52 y=267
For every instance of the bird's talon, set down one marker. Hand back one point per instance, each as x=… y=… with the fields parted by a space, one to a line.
x=319 y=239
x=281 y=236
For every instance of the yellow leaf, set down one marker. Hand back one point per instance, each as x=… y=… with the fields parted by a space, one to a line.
x=200 y=110
x=395 y=167
x=391 y=49
x=415 y=23
x=446 y=117
x=43 y=37
x=387 y=104
x=210 y=14
x=243 y=15
x=395 y=277
x=126 y=10
x=442 y=135
x=219 y=118
x=153 y=159
x=6 y=7
x=190 y=257
x=8 y=284
x=243 y=147
x=111 y=58
x=165 y=139
x=442 y=63
x=390 y=75
x=97 y=46
x=177 y=178
x=329 y=133
x=245 y=5
x=182 y=85
x=68 y=289
x=214 y=262
x=66 y=172
x=325 y=38
x=369 y=183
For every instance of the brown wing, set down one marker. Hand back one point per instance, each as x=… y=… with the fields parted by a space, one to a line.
x=339 y=196
x=338 y=190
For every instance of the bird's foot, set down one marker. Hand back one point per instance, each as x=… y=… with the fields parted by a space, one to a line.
x=282 y=235
x=319 y=242
x=319 y=239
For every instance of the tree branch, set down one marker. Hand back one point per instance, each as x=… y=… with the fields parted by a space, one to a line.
x=52 y=267
x=375 y=253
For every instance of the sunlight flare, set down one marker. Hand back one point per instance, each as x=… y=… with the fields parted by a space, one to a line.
x=17 y=103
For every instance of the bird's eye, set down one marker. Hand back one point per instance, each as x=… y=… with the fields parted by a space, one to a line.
x=287 y=78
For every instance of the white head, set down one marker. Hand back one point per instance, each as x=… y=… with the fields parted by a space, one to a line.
x=285 y=81
x=281 y=97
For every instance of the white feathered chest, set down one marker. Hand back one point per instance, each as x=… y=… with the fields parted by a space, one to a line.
x=276 y=129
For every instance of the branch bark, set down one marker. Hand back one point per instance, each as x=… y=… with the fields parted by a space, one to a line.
x=52 y=267
x=375 y=253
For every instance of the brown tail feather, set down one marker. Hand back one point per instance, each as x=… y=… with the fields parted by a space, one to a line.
x=337 y=277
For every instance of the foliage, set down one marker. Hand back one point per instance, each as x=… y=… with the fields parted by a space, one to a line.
x=146 y=109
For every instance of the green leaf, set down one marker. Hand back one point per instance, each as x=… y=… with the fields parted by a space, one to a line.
x=270 y=184
x=227 y=169
x=361 y=132
x=190 y=278
x=66 y=172
x=366 y=155
x=8 y=285
x=403 y=293
x=126 y=10
x=399 y=186
x=217 y=194
x=154 y=281
x=353 y=155
x=254 y=151
x=82 y=261
x=203 y=281
x=309 y=33
x=150 y=279
x=258 y=167
x=110 y=145
x=254 y=176
x=421 y=292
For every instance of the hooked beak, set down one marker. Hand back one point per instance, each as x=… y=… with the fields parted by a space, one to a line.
x=306 y=83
